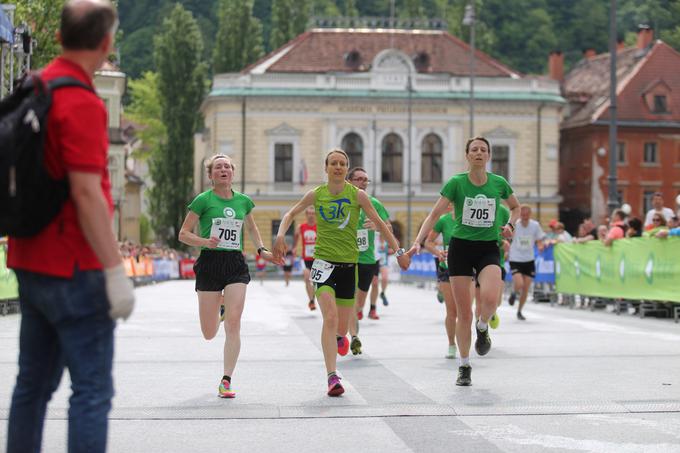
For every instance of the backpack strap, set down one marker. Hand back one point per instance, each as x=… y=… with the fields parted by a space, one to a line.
x=61 y=82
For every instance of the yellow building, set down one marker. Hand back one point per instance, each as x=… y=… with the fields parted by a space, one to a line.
x=350 y=88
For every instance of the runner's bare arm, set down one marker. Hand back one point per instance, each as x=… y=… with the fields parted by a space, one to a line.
x=188 y=237
x=513 y=205
x=438 y=209
x=385 y=232
x=280 y=244
x=431 y=246
x=255 y=236
x=296 y=239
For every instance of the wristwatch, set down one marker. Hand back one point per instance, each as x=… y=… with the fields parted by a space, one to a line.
x=260 y=249
x=512 y=227
x=400 y=252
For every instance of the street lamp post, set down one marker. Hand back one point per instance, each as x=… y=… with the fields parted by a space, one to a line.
x=409 y=87
x=469 y=20
x=613 y=195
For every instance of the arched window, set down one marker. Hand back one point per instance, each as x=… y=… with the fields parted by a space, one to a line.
x=392 y=155
x=431 y=162
x=353 y=145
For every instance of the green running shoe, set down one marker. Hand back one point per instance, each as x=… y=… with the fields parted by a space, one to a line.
x=355 y=346
x=451 y=353
x=494 y=321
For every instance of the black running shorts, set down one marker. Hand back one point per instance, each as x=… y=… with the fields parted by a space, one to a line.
x=308 y=263
x=467 y=257
x=216 y=269
x=343 y=281
x=527 y=268
x=366 y=274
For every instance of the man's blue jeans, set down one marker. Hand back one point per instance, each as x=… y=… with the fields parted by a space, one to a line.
x=64 y=323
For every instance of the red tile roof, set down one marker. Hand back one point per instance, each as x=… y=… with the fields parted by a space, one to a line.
x=586 y=86
x=325 y=50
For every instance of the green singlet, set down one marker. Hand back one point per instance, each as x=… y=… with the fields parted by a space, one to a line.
x=504 y=217
x=477 y=207
x=337 y=217
x=445 y=226
x=222 y=217
x=365 y=237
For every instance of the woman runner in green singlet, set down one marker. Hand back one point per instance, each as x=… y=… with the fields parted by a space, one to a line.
x=221 y=271
x=337 y=206
x=476 y=196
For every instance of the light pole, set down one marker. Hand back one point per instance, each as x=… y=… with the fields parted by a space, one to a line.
x=613 y=201
x=469 y=20
x=409 y=87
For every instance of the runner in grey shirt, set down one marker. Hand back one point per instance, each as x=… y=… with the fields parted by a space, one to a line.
x=527 y=233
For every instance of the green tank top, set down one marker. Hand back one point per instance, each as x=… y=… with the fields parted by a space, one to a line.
x=222 y=218
x=365 y=237
x=477 y=207
x=337 y=217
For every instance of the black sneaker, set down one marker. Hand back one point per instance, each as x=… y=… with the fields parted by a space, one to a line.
x=483 y=342
x=355 y=346
x=511 y=299
x=520 y=316
x=464 y=373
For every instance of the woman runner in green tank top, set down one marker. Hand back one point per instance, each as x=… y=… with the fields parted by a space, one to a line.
x=476 y=196
x=337 y=205
x=221 y=271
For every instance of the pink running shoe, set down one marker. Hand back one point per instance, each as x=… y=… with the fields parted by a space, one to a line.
x=225 y=390
x=343 y=345
x=335 y=388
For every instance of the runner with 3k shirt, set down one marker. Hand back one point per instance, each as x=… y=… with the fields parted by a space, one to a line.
x=476 y=196
x=221 y=271
x=336 y=205
x=445 y=226
x=306 y=233
x=368 y=266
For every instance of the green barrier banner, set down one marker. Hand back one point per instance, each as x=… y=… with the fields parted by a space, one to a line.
x=639 y=268
x=9 y=289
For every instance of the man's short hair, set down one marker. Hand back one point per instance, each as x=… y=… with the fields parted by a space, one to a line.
x=85 y=24
x=658 y=194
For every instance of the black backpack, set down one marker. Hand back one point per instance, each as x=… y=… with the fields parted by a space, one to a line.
x=29 y=197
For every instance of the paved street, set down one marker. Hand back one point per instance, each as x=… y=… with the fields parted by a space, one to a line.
x=563 y=381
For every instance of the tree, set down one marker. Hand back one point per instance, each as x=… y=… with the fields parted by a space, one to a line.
x=145 y=110
x=289 y=19
x=181 y=86
x=411 y=9
x=43 y=18
x=239 y=36
x=351 y=8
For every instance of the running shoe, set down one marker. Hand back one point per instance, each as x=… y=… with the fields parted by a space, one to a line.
x=221 y=313
x=483 y=342
x=334 y=386
x=355 y=346
x=225 y=390
x=494 y=321
x=311 y=305
x=360 y=315
x=464 y=375
x=384 y=299
x=440 y=297
x=520 y=316
x=451 y=353
x=373 y=315
x=343 y=345
x=511 y=299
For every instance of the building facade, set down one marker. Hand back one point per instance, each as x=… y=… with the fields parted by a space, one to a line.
x=397 y=101
x=648 y=131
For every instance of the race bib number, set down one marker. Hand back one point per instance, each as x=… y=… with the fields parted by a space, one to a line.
x=362 y=240
x=524 y=242
x=309 y=250
x=228 y=231
x=321 y=270
x=479 y=212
